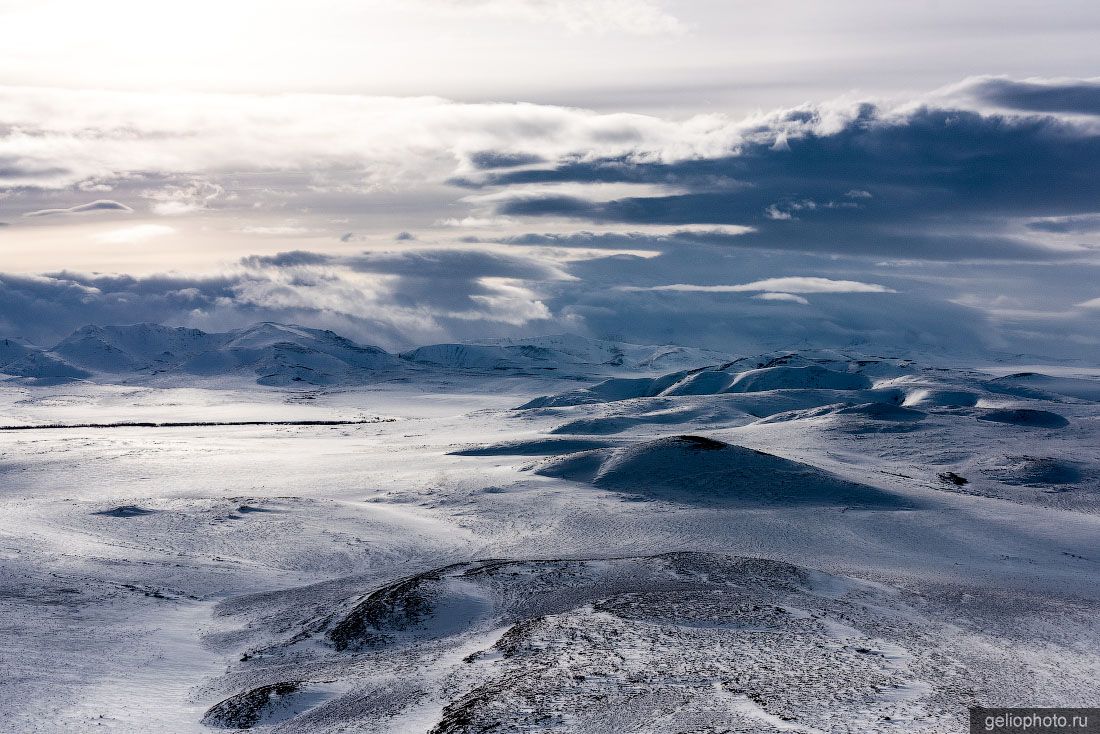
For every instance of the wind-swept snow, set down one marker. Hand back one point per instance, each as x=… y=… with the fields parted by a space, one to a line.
x=805 y=541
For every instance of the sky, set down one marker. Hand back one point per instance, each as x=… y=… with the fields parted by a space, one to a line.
x=713 y=173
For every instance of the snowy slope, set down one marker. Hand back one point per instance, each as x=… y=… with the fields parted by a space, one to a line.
x=841 y=543
x=694 y=469
x=134 y=348
x=20 y=359
x=282 y=355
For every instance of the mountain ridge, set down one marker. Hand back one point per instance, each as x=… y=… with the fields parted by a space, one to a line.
x=285 y=355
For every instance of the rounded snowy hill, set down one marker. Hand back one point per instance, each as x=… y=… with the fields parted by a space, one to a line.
x=729 y=378
x=699 y=469
x=20 y=359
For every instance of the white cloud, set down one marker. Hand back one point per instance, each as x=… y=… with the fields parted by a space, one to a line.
x=477 y=222
x=779 y=286
x=646 y=230
x=697 y=229
x=790 y=297
x=190 y=197
x=773 y=212
x=134 y=234
x=1091 y=303
x=804 y=284
x=510 y=301
x=55 y=138
x=784 y=211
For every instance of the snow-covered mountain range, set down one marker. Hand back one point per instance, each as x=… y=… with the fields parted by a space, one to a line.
x=285 y=355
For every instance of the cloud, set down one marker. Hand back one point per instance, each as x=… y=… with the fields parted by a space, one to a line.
x=949 y=184
x=396 y=299
x=1067 y=225
x=55 y=138
x=136 y=233
x=614 y=225
x=404 y=297
x=279 y=230
x=1092 y=303
x=789 y=297
x=1074 y=96
x=192 y=196
x=901 y=322
x=794 y=284
x=488 y=159
x=290 y=258
x=421 y=290
x=804 y=284
x=98 y=205
x=917 y=181
x=637 y=17
x=639 y=236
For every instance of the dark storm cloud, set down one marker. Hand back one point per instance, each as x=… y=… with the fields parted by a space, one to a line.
x=488 y=159
x=286 y=259
x=448 y=280
x=449 y=264
x=934 y=184
x=45 y=308
x=1073 y=97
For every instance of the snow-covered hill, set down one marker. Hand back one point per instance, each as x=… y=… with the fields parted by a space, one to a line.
x=270 y=354
x=745 y=375
x=564 y=352
x=20 y=359
x=284 y=355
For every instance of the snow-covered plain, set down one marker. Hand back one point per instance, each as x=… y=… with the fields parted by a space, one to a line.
x=658 y=540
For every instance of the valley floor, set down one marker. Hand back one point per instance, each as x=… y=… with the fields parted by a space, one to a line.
x=782 y=559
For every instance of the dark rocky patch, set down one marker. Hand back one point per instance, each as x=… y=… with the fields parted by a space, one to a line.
x=1026 y=417
x=244 y=710
x=125 y=511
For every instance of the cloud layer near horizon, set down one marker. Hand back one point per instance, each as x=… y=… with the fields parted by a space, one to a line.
x=830 y=223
